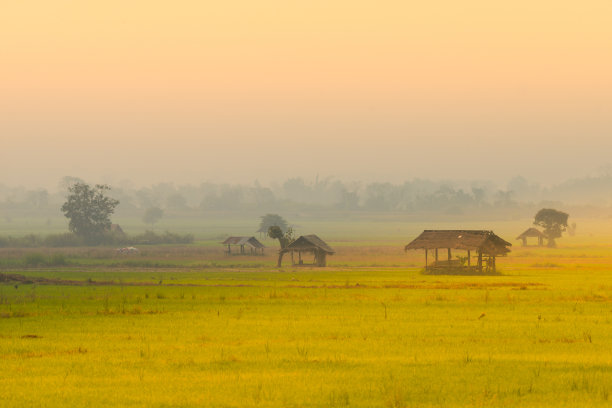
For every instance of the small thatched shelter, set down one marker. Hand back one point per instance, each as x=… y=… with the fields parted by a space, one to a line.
x=254 y=245
x=532 y=233
x=309 y=244
x=485 y=244
x=116 y=229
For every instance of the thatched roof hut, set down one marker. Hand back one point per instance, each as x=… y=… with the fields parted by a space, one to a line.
x=484 y=243
x=243 y=242
x=309 y=244
x=532 y=233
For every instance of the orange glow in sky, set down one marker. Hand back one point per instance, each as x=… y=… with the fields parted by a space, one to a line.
x=354 y=89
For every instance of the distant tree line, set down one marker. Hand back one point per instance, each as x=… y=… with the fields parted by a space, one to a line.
x=296 y=194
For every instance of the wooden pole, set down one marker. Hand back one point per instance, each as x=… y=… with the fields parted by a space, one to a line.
x=449 y=257
x=479 y=261
x=322 y=260
x=436 y=255
x=469 y=261
x=426 y=259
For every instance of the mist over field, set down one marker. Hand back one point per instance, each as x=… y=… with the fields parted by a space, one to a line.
x=213 y=211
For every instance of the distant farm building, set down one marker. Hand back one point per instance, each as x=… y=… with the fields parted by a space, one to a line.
x=310 y=244
x=116 y=229
x=532 y=233
x=241 y=243
x=127 y=250
x=484 y=245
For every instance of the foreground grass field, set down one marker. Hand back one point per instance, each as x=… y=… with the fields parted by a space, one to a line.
x=369 y=331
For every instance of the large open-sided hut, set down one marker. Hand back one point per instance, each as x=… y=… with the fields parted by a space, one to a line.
x=241 y=243
x=532 y=233
x=310 y=244
x=485 y=246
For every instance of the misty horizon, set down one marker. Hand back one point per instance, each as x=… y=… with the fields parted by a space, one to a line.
x=60 y=184
x=14 y=177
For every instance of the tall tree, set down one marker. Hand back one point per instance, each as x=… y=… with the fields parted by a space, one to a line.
x=284 y=239
x=554 y=223
x=89 y=210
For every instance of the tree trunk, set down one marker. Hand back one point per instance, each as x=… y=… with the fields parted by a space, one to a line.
x=280 y=259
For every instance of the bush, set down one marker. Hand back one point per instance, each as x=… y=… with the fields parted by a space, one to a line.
x=63 y=240
x=57 y=260
x=108 y=238
x=28 y=241
x=34 y=259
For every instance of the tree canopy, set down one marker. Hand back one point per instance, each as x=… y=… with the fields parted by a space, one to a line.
x=272 y=220
x=554 y=223
x=89 y=210
x=152 y=215
x=284 y=238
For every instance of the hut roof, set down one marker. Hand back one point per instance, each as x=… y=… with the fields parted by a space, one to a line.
x=252 y=241
x=531 y=232
x=116 y=228
x=308 y=242
x=485 y=241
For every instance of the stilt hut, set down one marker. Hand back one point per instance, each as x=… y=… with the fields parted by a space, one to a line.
x=255 y=247
x=307 y=244
x=532 y=233
x=483 y=245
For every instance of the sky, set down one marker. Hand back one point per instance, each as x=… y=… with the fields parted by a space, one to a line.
x=239 y=90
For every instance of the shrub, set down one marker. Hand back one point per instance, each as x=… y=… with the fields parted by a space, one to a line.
x=63 y=240
x=70 y=239
x=34 y=259
x=57 y=260
x=28 y=241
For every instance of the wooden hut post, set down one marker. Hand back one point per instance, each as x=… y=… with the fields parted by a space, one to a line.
x=229 y=249
x=469 y=260
x=480 y=260
x=436 y=255
x=426 y=250
x=300 y=257
x=321 y=258
x=449 y=257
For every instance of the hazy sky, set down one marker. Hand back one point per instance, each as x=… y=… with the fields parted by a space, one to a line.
x=238 y=90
